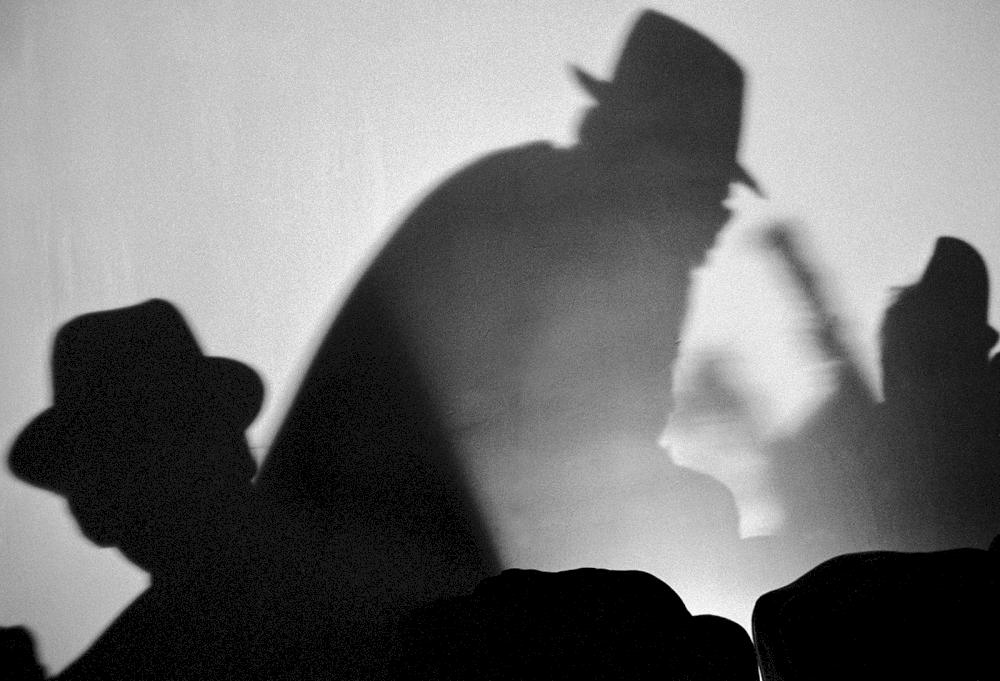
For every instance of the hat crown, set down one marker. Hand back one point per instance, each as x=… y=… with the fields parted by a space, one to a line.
x=676 y=88
x=114 y=364
x=120 y=348
x=663 y=57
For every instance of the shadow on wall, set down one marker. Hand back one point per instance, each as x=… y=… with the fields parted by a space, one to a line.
x=882 y=614
x=491 y=395
x=917 y=471
x=537 y=298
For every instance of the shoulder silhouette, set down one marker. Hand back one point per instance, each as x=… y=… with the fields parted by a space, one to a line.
x=584 y=623
x=17 y=655
x=880 y=615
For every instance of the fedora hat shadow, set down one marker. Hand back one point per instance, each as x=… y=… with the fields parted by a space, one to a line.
x=676 y=88
x=110 y=359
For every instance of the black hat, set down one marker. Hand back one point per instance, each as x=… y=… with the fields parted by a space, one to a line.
x=674 y=86
x=104 y=358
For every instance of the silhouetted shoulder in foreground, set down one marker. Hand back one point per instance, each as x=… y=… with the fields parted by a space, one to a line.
x=145 y=440
x=17 y=655
x=584 y=623
x=883 y=615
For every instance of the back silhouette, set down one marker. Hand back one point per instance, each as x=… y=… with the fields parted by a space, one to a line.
x=883 y=615
x=493 y=391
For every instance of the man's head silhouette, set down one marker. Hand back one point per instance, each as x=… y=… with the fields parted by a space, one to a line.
x=673 y=91
x=665 y=129
x=145 y=436
x=936 y=338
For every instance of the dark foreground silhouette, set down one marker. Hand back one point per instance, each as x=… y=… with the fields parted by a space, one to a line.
x=577 y=624
x=884 y=615
x=491 y=393
x=17 y=655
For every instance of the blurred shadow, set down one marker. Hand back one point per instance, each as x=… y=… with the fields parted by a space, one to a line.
x=918 y=471
x=493 y=391
x=582 y=624
x=366 y=512
x=17 y=655
x=937 y=441
x=715 y=427
x=803 y=497
x=823 y=472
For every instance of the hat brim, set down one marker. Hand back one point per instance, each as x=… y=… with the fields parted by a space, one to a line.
x=741 y=176
x=603 y=92
x=595 y=87
x=241 y=388
x=38 y=455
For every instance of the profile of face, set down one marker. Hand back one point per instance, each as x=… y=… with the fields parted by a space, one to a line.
x=170 y=476
x=649 y=185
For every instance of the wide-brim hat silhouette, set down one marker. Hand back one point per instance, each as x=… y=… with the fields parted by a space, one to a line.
x=676 y=88
x=108 y=358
